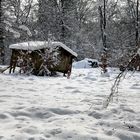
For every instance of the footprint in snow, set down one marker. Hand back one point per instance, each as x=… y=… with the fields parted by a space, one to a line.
x=69 y=137
x=135 y=86
x=30 y=130
x=95 y=114
x=32 y=90
x=20 y=113
x=3 y=116
x=55 y=131
x=63 y=111
x=90 y=78
x=2 y=90
x=1 y=101
x=76 y=91
x=68 y=87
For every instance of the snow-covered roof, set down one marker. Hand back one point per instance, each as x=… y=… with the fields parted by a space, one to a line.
x=37 y=45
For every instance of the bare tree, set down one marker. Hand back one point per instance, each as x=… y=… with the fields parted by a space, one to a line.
x=19 y=11
x=134 y=11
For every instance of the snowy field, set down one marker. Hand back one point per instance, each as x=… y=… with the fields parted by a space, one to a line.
x=57 y=108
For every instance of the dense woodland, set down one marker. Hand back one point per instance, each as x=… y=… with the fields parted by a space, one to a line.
x=89 y=27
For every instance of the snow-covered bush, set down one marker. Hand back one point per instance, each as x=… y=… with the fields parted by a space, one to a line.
x=50 y=59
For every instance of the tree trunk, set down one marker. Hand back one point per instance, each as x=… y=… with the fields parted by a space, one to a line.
x=1 y=37
x=103 y=34
x=137 y=23
x=63 y=34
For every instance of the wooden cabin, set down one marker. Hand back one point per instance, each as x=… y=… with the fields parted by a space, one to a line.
x=41 y=57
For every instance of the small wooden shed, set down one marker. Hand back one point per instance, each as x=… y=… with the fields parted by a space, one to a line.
x=41 y=57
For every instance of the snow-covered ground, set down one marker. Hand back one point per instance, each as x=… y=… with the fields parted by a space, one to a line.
x=57 y=108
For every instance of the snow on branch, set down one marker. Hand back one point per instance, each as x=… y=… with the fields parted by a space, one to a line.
x=25 y=28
